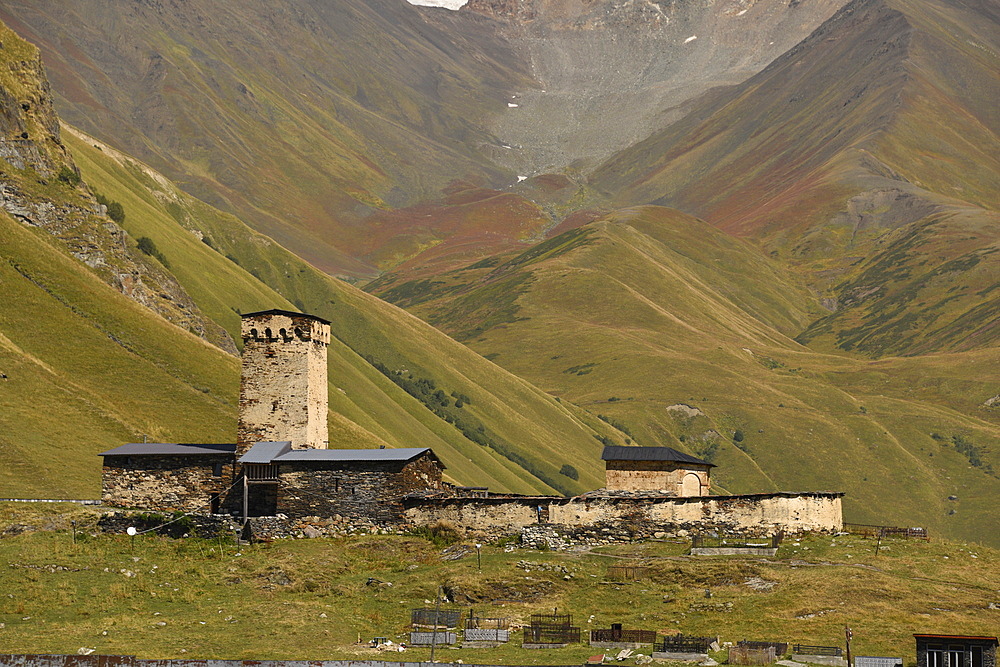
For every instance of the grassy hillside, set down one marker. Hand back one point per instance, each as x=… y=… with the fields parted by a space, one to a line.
x=201 y=599
x=262 y=110
x=86 y=368
x=865 y=158
x=520 y=437
x=681 y=335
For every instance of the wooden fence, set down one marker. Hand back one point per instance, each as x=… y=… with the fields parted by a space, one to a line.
x=871 y=530
x=805 y=649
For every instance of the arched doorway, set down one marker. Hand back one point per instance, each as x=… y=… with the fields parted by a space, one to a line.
x=691 y=485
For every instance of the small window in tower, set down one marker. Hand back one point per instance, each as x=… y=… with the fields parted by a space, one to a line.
x=254 y=334
x=217 y=470
x=267 y=334
x=284 y=334
x=336 y=485
x=298 y=333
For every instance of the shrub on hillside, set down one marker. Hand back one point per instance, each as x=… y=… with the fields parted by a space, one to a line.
x=148 y=246
x=67 y=175
x=569 y=471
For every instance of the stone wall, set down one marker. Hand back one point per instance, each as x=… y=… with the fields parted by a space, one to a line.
x=371 y=490
x=668 y=477
x=283 y=387
x=492 y=516
x=184 y=483
x=617 y=518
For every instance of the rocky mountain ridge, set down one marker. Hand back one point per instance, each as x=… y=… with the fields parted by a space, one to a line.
x=41 y=188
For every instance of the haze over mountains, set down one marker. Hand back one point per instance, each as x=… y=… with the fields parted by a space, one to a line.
x=762 y=232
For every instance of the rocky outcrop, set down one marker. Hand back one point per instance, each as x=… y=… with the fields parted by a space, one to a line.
x=40 y=187
x=29 y=126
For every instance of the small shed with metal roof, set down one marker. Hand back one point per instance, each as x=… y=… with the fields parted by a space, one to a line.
x=656 y=470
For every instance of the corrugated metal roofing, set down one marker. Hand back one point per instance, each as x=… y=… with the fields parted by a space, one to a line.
x=169 y=449
x=265 y=452
x=289 y=313
x=618 y=453
x=403 y=454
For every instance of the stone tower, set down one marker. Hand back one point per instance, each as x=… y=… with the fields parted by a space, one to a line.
x=283 y=388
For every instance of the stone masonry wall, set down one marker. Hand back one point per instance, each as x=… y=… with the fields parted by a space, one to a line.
x=666 y=476
x=283 y=387
x=358 y=490
x=184 y=483
x=639 y=517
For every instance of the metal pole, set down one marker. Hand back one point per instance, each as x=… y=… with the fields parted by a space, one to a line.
x=434 y=628
x=246 y=493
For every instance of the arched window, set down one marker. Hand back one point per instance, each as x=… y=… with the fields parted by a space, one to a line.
x=267 y=334
x=284 y=334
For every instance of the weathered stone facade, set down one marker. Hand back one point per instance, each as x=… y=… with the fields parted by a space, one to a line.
x=669 y=477
x=283 y=387
x=956 y=651
x=372 y=490
x=187 y=483
x=593 y=516
x=661 y=470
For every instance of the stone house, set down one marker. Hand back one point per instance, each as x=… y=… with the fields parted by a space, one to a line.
x=168 y=476
x=354 y=483
x=280 y=462
x=956 y=651
x=660 y=470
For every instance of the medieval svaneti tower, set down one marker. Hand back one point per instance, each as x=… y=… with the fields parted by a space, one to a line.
x=281 y=461
x=283 y=387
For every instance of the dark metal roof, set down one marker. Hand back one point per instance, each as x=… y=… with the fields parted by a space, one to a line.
x=617 y=453
x=289 y=313
x=988 y=639
x=344 y=455
x=265 y=452
x=169 y=449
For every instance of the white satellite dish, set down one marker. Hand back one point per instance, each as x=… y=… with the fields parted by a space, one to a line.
x=131 y=530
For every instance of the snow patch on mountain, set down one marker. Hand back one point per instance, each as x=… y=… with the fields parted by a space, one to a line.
x=447 y=4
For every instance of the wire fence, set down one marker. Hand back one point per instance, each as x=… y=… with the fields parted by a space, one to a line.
x=616 y=634
x=683 y=644
x=871 y=530
x=435 y=618
x=551 y=629
x=806 y=649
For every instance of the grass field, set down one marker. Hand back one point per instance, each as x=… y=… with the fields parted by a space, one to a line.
x=681 y=335
x=158 y=597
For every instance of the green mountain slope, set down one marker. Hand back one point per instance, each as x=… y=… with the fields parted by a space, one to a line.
x=301 y=117
x=88 y=361
x=528 y=435
x=682 y=335
x=865 y=157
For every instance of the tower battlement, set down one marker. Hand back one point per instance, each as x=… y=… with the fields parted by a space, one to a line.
x=283 y=385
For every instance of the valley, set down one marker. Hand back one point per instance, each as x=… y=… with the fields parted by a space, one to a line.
x=774 y=246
